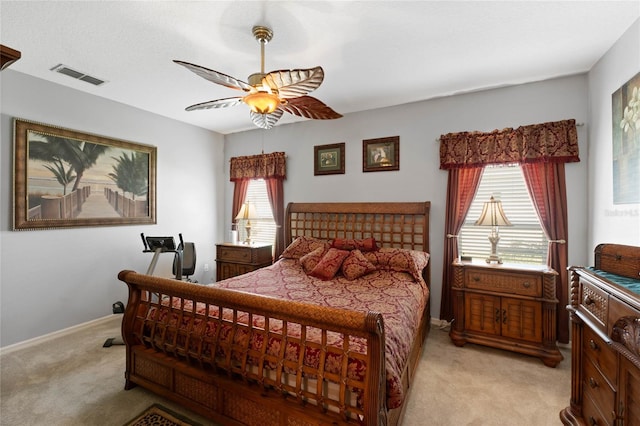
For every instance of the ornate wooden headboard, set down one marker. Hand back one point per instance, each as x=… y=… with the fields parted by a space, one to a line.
x=394 y=224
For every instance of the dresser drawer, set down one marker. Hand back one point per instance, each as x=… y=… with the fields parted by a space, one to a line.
x=600 y=354
x=512 y=283
x=594 y=302
x=592 y=414
x=598 y=388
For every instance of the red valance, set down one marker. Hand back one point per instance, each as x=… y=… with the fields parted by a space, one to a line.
x=553 y=142
x=260 y=166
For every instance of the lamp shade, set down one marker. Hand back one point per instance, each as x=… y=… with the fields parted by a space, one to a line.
x=262 y=102
x=492 y=214
x=247 y=212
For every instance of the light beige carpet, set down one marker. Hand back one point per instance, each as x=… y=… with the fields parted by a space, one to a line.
x=72 y=380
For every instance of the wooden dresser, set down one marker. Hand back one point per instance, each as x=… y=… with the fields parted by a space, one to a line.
x=238 y=259
x=510 y=307
x=605 y=344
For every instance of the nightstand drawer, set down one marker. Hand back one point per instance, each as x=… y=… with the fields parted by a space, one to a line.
x=512 y=283
x=244 y=254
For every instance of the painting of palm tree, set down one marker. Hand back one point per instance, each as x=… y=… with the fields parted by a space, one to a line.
x=69 y=178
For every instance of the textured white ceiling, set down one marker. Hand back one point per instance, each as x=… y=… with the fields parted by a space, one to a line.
x=374 y=53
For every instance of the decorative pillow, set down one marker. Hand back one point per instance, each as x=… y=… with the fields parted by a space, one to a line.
x=356 y=265
x=303 y=245
x=330 y=264
x=396 y=259
x=310 y=260
x=367 y=244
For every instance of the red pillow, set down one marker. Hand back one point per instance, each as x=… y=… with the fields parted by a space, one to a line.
x=367 y=244
x=301 y=246
x=310 y=260
x=330 y=264
x=356 y=265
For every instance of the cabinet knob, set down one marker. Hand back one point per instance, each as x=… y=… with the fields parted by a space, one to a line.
x=526 y=284
x=476 y=278
x=593 y=383
x=587 y=300
x=593 y=345
x=592 y=421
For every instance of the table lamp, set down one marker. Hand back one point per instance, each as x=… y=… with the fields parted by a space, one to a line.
x=247 y=213
x=492 y=215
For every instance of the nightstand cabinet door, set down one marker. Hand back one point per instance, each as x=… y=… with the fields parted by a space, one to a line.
x=521 y=319
x=237 y=259
x=482 y=313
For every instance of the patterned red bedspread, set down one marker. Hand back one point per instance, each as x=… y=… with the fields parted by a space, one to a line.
x=396 y=295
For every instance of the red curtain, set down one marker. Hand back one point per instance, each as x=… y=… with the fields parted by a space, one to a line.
x=276 y=199
x=461 y=188
x=547 y=187
x=239 y=194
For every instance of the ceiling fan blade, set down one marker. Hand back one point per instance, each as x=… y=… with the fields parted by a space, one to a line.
x=295 y=83
x=266 y=121
x=218 y=103
x=215 y=76
x=309 y=107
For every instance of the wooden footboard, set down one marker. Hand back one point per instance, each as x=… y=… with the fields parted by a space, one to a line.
x=227 y=377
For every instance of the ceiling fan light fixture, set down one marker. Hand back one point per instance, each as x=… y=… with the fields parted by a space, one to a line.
x=262 y=102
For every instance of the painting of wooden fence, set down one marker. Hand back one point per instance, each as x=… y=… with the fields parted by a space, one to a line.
x=66 y=178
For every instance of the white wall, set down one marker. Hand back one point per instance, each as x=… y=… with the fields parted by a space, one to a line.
x=608 y=222
x=419 y=178
x=53 y=279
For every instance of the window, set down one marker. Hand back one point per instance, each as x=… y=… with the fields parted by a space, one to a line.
x=263 y=230
x=525 y=241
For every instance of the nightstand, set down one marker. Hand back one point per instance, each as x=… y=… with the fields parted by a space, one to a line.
x=510 y=307
x=238 y=259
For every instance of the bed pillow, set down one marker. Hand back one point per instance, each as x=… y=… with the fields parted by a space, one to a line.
x=303 y=245
x=366 y=244
x=310 y=260
x=402 y=260
x=330 y=264
x=356 y=265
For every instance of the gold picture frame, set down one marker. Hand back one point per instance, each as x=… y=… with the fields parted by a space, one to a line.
x=328 y=159
x=64 y=178
x=381 y=154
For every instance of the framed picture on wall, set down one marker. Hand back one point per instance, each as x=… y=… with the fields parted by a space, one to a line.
x=626 y=142
x=328 y=159
x=65 y=178
x=382 y=154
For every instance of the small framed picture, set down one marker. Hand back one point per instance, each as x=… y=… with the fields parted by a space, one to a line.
x=328 y=159
x=382 y=154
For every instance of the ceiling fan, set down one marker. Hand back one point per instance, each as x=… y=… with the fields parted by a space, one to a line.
x=269 y=95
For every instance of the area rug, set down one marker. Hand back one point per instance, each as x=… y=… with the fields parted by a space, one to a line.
x=157 y=415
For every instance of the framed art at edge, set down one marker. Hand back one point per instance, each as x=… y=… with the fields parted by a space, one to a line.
x=328 y=159
x=626 y=142
x=382 y=154
x=64 y=178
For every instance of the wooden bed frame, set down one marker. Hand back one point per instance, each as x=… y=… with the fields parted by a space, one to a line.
x=230 y=391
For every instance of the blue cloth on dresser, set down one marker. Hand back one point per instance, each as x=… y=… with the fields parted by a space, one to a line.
x=628 y=283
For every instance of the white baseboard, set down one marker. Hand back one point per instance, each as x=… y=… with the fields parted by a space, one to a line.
x=46 y=337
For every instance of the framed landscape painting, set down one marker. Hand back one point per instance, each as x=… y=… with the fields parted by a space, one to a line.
x=626 y=142
x=65 y=178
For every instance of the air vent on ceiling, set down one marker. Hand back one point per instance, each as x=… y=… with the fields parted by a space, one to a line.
x=63 y=69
